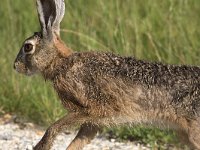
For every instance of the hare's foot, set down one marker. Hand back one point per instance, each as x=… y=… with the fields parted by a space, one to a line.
x=67 y=121
x=42 y=146
x=86 y=133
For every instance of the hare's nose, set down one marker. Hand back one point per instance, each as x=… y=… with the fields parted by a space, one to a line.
x=15 y=65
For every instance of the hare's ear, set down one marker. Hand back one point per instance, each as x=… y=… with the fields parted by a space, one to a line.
x=50 y=14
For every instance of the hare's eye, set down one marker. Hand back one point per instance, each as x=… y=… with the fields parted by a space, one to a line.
x=28 y=48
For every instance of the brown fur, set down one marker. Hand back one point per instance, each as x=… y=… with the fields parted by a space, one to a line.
x=60 y=46
x=104 y=89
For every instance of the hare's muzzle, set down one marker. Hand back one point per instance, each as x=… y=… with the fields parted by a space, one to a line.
x=19 y=67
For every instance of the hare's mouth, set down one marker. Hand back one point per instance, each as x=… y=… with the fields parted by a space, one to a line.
x=21 y=68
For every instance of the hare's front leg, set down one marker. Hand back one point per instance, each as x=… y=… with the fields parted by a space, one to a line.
x=194 y=133
x=67 y=121
x=86 y=133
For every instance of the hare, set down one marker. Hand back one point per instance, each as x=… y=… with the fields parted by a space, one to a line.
x=104 y=89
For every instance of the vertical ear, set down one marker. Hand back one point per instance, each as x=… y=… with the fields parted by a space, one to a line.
x=50 y=13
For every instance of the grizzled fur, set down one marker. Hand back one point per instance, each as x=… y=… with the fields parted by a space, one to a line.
x=104 y=89
x=113 y=90
x=97 y=77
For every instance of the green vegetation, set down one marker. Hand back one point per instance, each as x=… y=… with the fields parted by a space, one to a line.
x=155 y=30
x=154 y=137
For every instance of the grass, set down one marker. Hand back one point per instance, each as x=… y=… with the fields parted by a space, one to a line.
x=155 y=138
x=166 y=31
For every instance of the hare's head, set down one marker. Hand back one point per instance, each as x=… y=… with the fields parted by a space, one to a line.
x=39 y=50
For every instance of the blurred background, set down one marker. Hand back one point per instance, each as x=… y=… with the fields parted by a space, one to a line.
x=154 y=30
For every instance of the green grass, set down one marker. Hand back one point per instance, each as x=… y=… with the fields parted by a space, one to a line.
x=155 y=30
x=156 y=138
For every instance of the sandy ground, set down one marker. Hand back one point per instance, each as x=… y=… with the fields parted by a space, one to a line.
x=18 y=136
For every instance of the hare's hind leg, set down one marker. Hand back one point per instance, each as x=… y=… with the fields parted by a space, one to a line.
x=67 y=121
x=194 y=133
x=86 y=133
x=184 y=139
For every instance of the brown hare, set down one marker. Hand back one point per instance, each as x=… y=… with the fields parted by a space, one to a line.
x=104 y=89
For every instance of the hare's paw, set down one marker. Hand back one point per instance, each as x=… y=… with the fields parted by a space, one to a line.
x=41 y=146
